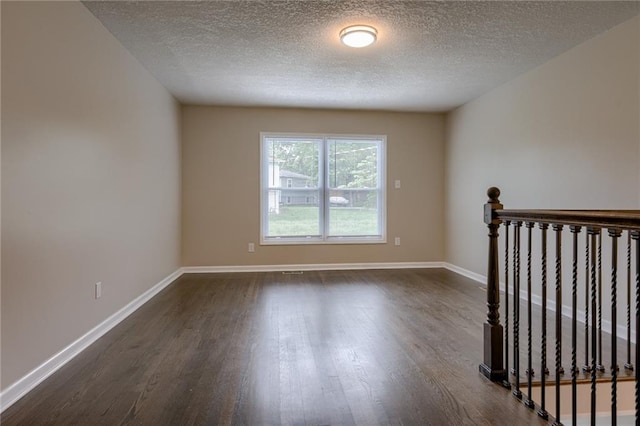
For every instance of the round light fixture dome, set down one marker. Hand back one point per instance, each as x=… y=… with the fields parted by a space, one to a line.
x=358 y=35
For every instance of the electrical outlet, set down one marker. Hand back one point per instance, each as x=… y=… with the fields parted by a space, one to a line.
x=252 y=247
x=397 y=184
x=98 y=290
x=397 y=241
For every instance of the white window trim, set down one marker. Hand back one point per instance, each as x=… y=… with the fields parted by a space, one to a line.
x=324 y=193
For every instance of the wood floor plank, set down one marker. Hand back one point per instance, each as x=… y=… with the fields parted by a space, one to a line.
x=398 y=347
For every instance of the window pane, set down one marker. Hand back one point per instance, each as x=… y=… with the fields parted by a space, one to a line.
x=353 y=164
x=292 y=187
x=297 y=215
x=354 y=213
x=292 y=163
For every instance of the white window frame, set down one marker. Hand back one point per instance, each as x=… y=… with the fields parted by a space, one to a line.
x=324 y=192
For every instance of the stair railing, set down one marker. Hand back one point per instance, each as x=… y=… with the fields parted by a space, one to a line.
x=497 y=338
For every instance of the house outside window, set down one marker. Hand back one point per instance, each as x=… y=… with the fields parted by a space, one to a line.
x=319 y=189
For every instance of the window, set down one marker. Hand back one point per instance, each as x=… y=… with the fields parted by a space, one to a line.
x=322 y=189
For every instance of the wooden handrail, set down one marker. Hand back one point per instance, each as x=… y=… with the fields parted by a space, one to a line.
x=618 y=219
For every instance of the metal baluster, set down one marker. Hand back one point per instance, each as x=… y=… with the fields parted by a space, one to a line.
x=593 y=232
x=559 y=370
x=529 y=402
x=600 y=364
x=506 y=382
x=558 y=230
x=516 y=308
x=542 y=412
x=586 y=367
x=614 y=234
x=628 y=365
x=574 y=329
x=635 y=235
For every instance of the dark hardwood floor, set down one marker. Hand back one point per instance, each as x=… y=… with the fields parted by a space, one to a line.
x=319 y=348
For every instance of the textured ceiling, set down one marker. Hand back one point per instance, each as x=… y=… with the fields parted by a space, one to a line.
x=430 y=56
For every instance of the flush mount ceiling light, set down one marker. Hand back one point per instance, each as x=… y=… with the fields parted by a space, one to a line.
x=358 y=36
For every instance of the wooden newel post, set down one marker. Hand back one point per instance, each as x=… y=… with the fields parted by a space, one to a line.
x=493 y=365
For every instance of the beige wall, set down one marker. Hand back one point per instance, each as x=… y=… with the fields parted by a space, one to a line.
x=90 y=179
x=564 y=135
x=221 y=163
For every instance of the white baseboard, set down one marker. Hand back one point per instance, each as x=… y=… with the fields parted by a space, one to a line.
x=537 y=300
x=20 y=388
x=311 y=267
x=466 y=273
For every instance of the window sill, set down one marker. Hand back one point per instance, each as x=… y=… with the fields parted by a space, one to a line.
x=331 y=241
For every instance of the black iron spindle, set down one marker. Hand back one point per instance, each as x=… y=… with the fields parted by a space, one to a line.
x=542 y=412
x=593 y=233
x=529 y=402
x=586 y=367
x=614 y=234
x=558 y=230
x=600 y=364
x=574 y=329
x=516 y=308
x=635 y=235
x=506 y=382
x=628 y=365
